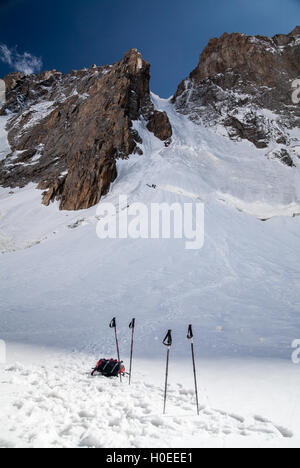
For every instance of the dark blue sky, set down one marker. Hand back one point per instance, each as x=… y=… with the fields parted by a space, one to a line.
x=170 y=34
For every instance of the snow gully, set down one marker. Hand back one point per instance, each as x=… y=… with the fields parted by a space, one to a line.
x=296 y=92
x=2 y=93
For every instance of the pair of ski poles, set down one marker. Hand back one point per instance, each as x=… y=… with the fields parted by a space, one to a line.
x=168 y=342
x=113 y=324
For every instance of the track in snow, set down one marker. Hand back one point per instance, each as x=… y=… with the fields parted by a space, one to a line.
x=61 y=405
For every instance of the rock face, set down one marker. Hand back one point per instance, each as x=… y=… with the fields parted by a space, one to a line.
x=159 y=124
x=245 y=84
x=67 y=131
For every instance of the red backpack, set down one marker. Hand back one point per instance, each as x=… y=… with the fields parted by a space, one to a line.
x=109 y=368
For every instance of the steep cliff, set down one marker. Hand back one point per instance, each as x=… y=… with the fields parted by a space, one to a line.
x=245 y=84
x=67 y=131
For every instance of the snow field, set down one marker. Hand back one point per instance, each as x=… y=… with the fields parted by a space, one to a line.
x=58 y=404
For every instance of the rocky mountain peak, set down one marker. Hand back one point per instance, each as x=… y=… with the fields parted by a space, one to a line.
x=135 y=61
x=66 y=131
x=261 y=59
x=296 y=31
x=244 y=83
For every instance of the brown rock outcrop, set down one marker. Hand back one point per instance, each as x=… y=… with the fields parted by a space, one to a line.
x=237 y=79
x=159 y=124
x=74 y=127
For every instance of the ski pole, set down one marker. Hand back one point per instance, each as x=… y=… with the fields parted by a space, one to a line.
x=131 y=326
x=167 y=342
x=190 y=337
x=113 y=324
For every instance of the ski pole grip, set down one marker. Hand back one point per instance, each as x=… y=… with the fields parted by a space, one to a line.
x=168 y=339
x=113 y=323
x=132 y=324
x=190 y=334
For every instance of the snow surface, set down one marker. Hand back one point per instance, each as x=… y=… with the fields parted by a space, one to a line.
x=60 y=286
x=4 y=145
x=61 y=405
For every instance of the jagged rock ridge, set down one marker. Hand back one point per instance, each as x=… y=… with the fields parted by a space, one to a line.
x=67 y=131
x=245 y=84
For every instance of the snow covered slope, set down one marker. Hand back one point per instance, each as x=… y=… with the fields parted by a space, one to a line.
x=60 y=405
x=244 y=279
x=4 y=146
x=60 y=285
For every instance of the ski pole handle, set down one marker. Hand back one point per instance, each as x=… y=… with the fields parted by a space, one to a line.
x=168 y=339
x=190 y=334
x=113 y=323
x=132 y=324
